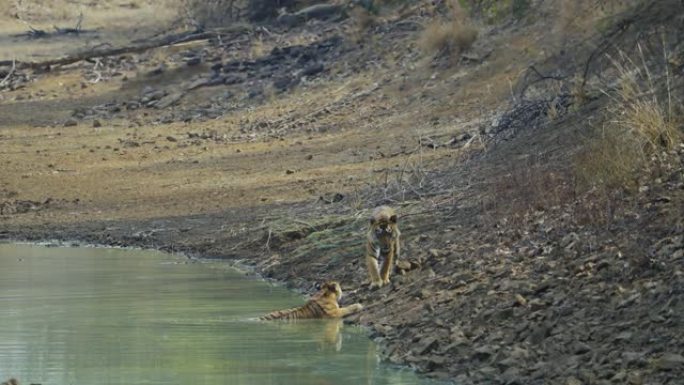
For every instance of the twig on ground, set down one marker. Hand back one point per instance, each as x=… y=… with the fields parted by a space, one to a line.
x=9 y=74
x=268 y=240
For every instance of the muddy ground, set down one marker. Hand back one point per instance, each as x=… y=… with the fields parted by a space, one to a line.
x=268 y=147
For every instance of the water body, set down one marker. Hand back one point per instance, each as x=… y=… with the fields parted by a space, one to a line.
x=73 y=316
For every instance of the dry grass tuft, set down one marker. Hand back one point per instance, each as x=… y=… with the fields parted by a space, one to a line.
x=640 y=113
x=448 y=37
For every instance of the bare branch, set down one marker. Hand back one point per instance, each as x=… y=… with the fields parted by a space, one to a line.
x=9 y=74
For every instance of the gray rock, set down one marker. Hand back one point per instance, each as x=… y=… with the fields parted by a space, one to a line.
x=169 y=100
x=313 y=69
x=425 y=345
x=319 y=11
x=669 y=361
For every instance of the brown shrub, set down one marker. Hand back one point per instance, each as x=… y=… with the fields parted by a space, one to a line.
x=448 y=37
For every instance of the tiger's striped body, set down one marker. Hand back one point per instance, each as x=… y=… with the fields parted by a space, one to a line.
x=322 y=305
x=382 y=243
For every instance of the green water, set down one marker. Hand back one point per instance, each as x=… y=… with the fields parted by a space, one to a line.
x=111 y=316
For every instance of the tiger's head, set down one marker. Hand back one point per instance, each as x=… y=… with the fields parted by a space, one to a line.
x=383 y=221
x=332 y=288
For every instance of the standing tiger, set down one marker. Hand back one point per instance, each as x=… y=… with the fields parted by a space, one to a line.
x=382 y=242
x=322 y=305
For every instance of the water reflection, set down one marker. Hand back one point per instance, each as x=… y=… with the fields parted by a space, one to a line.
x=106 y=316
x=325 y=332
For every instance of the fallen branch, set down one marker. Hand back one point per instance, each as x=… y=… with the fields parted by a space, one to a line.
x=9 y=74
x=100 y=53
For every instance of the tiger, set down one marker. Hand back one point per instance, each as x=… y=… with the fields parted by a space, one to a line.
x=382 y=242
x=323 y=304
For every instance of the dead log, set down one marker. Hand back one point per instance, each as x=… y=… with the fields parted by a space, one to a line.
x=100 y=53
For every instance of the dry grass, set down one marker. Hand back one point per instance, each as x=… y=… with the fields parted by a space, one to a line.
x=641 y=127
x=448 y=37
x=640 y=112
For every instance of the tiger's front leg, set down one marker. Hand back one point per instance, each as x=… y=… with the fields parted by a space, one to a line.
x=387 y=264
x=345 y=311
x=373 y=272
x=372 y=265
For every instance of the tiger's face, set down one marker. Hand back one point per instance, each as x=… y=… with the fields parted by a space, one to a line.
x=334 y=288
x=384 y=226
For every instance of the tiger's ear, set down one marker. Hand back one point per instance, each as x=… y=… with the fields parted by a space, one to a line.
x=393 y=218
x=330 y=286
x=322 y=285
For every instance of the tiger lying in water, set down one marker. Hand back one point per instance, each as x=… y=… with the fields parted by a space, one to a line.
x=322 y=305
